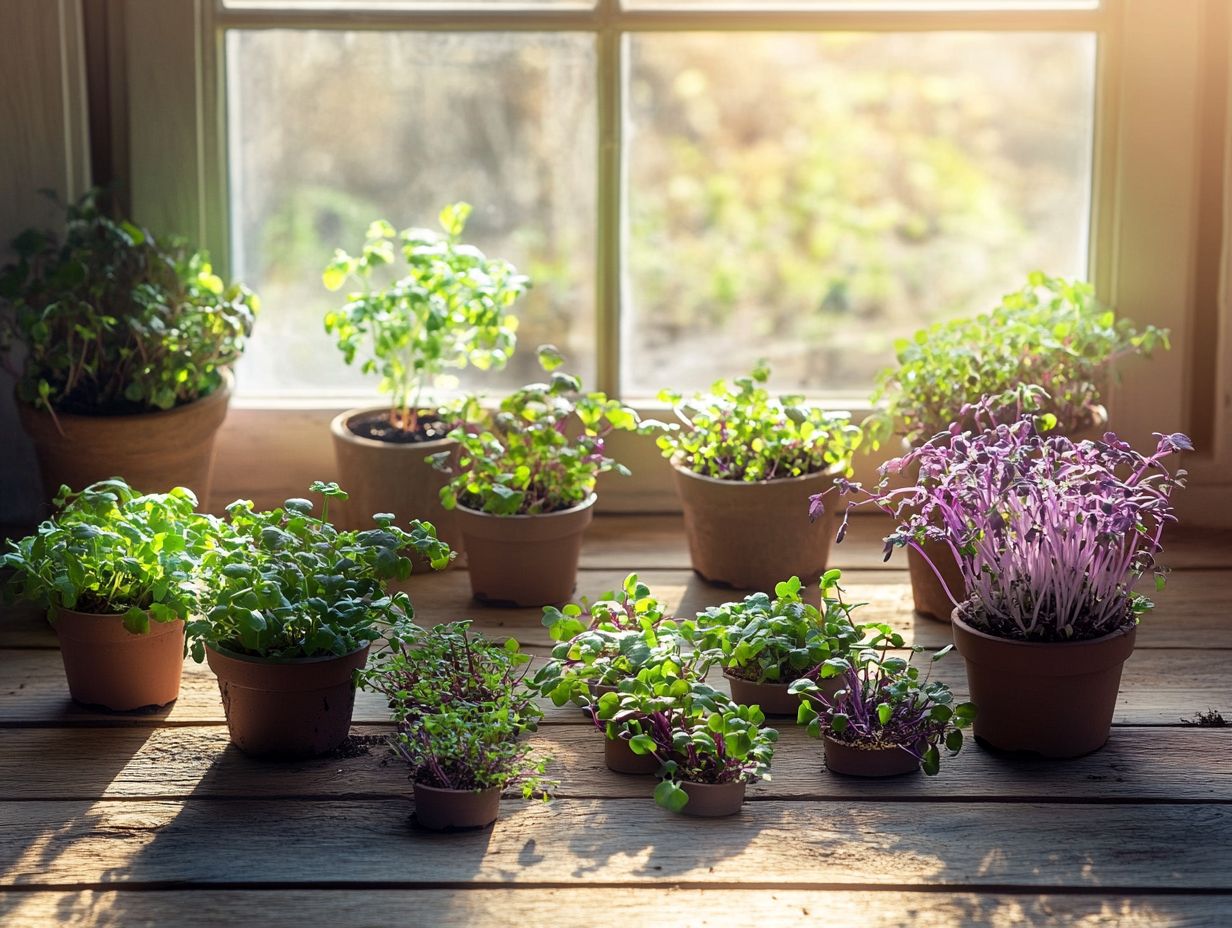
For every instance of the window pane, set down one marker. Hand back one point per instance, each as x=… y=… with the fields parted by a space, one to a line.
x=808 y=198
x=502 y=5
x=861 y=5
x=329 y=130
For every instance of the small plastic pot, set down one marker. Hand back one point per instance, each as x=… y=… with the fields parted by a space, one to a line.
x=712 y=800
x=107 y=665
x=298 y=708
x=455 y=809
x=854 y=761
x=524 y=560
x=620 y=758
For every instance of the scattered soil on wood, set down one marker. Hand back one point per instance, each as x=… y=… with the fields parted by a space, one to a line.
x=359 y=745
x=1211 y=718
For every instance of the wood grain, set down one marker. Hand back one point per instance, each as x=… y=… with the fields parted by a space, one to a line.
x=1172 y=765
x=1112 y=848
x=668 y=906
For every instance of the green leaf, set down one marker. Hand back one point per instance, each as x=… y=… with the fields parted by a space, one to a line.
x=670 y=796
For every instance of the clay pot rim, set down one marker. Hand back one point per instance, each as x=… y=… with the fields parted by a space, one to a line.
x=957 y=619
x=221 y=395
x=339 y=429
x=748 y=682
x=446 y=791
x=571 y=511
x=284 y=661
x=1098 y=424
x=862 y=745
x=832 y=471
x=154 y=623
x=729 y=784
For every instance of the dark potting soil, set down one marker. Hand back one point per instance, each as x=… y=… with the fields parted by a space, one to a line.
x=359 y=745
x=378 y=428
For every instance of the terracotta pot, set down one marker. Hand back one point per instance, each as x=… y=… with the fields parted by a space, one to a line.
x=749 y=536
x=153 y=451
x=382 y=476
x=109 y=666
x=853 y=761
x=298 y=708
x=446 y=809
x=773 y=698
x=927 y=593
x=1050 y=698
x=712 y=800
x=620 y=758
x=524 y=560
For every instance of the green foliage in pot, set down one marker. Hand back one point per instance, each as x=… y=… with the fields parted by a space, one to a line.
x=884 y=703
x=1051 y=334
x=111 y=550
x=449 y=309
x=291 y=586
x=695 y=732
x=540 y=451
x=609 y=640
x=777 y=640
x=111 y=320
x=461 y=709
x=740 y=432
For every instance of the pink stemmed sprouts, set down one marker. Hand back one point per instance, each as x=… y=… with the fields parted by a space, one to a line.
x=1050 y=535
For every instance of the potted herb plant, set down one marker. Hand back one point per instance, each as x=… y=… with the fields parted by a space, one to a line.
x=744 y=463
x=706 y=748
x=1051 y=537
x=765 y=644
x=290 y=608
x=116 y=571
x=448 y=309
x=523 y=485
x=461 y=711
x=1048 y=348
x=121 y=346
x=603 y=642
x=882 y=719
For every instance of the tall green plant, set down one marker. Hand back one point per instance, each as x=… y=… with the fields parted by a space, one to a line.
x=112 y=320
x=449 y=309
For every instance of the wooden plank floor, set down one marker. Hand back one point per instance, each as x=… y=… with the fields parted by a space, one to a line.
x=152 y=819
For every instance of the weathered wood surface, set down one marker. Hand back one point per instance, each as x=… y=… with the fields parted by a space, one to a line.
x=1159 y=687
x=1192 y=611
x=666 y=906
x=969 y=845
x=195 y=833
x=1173 y=765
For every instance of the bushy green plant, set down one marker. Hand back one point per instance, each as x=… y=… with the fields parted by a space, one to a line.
x=290 y=585
x=1052 y=334
x=695 y=732
x=540 y=451
x=777 y=640
x=450 y=309
x=740 y=432
x=111 y=320
x=609 y=640
x=461 y=709
x=883 y=703
x=113 y=551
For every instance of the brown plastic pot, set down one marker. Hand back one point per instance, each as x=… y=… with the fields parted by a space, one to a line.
x=854 y=761
x=524 y=560
x=1055 y=699
x=107 y=665
x=297 y=708
x=153 y=451
x=620 y=758
x=927 y=593
x=749 y=536
x=712 y=800
x=773 y=698
x=447 y=809
x=381 y=476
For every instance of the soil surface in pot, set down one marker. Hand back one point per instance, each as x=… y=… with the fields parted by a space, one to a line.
x=377 y=427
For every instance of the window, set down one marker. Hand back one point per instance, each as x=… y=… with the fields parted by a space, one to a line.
x=801 y=186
